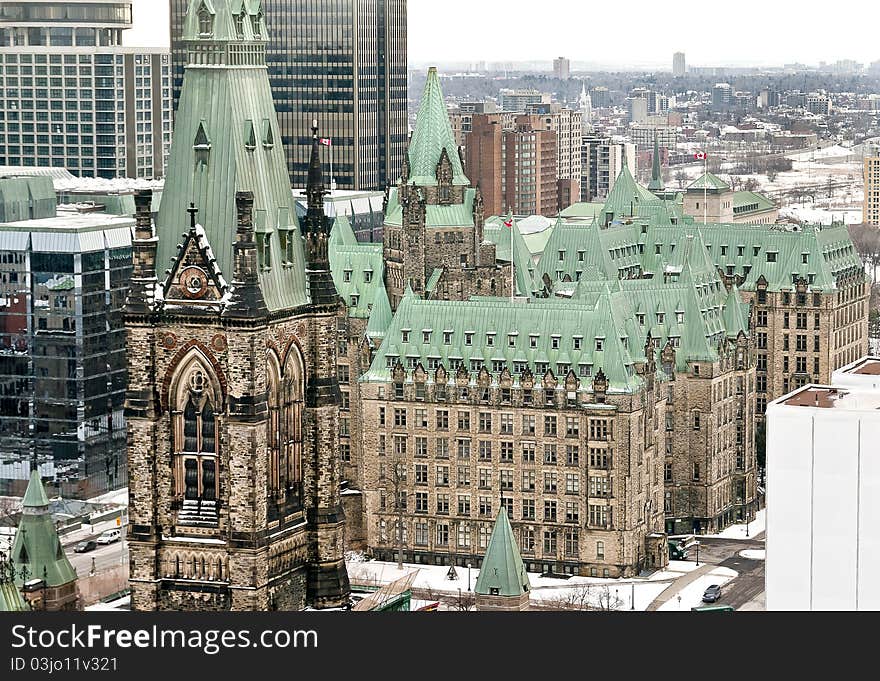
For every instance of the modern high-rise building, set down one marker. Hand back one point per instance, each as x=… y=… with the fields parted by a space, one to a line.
x=74 y=97
x=602 y=159
x=679 y=67
x=519 y=100
x=561 y=68
x=63 y=280
x=871 y=207
x=722 y=96
x=342 y=62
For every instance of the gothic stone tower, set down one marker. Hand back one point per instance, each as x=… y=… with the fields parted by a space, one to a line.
x=233 y=397
x=434 y=219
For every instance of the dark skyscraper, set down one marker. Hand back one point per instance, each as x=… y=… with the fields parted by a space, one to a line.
x=340 y=61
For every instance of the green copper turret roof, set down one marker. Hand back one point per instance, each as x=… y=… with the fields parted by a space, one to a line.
x=431 y=135
x=736 y=314
x=710 y=182
x=380 y=315
x=503 y=572
x=625 y=196
x=227 y=20
x=11 y=599
x=37 y=547
x=213 y=156
x=656 y=183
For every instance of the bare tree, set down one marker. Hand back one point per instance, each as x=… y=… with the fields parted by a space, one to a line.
x=586 y=597
x=681 y=177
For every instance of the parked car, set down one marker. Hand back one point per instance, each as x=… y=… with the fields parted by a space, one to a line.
x=712 y=594
x=85 y=546
x=110 y=536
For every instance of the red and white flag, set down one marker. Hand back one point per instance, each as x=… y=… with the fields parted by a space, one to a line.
x=326 y=141
x=508 y=223
x=701 y=155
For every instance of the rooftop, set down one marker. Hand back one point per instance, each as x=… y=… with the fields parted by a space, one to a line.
x=869 y=366
x=827 y=397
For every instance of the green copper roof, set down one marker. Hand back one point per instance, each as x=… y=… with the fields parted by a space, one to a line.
x=710 y=182
x=736 y=314
x=222 y=15
x=211 y=160
x=540 y=335
x=583 y=209
x=495 y=231
x=431 y=135
x=358 y=269
x=37 y=548
x=35 y=494
x=436 y=216
x=625 y=197
x=11 y=599
x=502 y=572
x=747 y=202
x=380 y=315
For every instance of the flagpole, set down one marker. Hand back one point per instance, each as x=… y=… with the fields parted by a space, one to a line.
x=332 y=182
x=512 y=275
x=705 y=185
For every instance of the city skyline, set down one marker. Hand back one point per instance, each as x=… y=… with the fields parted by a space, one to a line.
x=806 y=42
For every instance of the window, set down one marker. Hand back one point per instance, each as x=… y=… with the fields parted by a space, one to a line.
x=441 y=448
x=549 y=425
x=400 y=418
x=572 y=483
x=507 y=452
x=485 y=509
x=572 y=426
x=528 y=425
x=572 y=455
x=600 y=458
x=599 y=429
x=696 y=420
x=549 y=542
x=442 y=534
x=506 y=478
x=572 y=512
x=600 y=516
x=443 y=504
x=485 y=422
x=206 y=22
x=600 y=550
x=442 y=419
x=550 y=510
x=464 y=448
x=485 y=448
x=464 y=421
x=771 y=256
x=528 y=509
x=464 y=505
x=667 y=472
x=696 y=471
x=600 y=486
x=421 y=502
x=550 y=454
x=550 y=482
x=528 y=452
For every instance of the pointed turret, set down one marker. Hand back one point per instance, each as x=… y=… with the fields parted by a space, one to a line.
x=316 y=230
x=226 y=140
x=380 y=316
x=503 y=583
x=37 y=552
x=432 y=135
x=656 y=183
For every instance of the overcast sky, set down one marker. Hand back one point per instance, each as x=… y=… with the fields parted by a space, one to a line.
x=615 y=32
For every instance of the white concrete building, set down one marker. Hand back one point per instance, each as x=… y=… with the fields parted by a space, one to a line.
x=823 y=494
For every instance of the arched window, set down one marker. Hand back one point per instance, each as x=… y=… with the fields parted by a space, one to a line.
x=206 y=21
x=239 y=24
x=257 y=23
x=285 y=437
x=195 y=444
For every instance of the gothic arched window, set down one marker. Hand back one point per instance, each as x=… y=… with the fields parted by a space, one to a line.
x=196 y=464
x=206 y=21
x=285 y=438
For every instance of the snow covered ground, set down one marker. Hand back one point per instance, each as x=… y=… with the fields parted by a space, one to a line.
x=758 y=525
x=597 y=592
x=754 y=554
x=691 y=596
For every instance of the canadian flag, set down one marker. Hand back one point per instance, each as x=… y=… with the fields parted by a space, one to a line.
x=326 y=141
x=701 y=155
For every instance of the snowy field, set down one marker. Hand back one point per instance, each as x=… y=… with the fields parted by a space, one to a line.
x=691 y=596
x=573 y=593
x=754 y=554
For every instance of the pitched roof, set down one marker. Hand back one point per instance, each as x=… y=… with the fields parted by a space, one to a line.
x=431 y=135
x=625 y=196
x=380 y=315
x=656 y=183
x=710 y=182
x=223 y=13
x=495 y=231
x=495 y=331
x=37 y=547
x=502 y=572
x=11 y=599
x=211 y=160
x=747 y=202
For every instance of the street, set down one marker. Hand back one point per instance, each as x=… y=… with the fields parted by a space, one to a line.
x=725 y=552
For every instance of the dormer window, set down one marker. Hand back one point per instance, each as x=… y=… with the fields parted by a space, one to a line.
x=661 y=318
x=447 y=337
x=368 y=276
x=239 y=25
x=426 y=336
x=600 y=344
x=533 y=341
x=404 y=335
x=354 y=301
x=554 y=342
x=679 y=317
x=640 y=318
x=576 y=342
x=511 y=340
x=490 y=339
x=468 y=337
x=268 y=135
x=250 y=137
x=206 y=22
x=257 y=25
x=581 y=255
x=346 y=276
x=561 y=255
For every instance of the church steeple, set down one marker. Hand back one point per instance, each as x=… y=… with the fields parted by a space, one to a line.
x=656 y=184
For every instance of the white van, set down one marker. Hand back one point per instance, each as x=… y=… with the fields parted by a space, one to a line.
x=110 y=536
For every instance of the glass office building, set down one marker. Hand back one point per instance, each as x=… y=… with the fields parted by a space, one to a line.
x=343 y=62
x=71 y=96
x=63 y=282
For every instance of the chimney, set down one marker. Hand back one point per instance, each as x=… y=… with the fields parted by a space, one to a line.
x=142 y=291
x=247 y=297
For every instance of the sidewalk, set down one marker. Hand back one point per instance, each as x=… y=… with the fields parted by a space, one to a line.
x=670 y=591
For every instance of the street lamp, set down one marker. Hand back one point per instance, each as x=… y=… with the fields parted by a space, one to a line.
x=698 y=553
x=469 y=575
x=632 y=601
